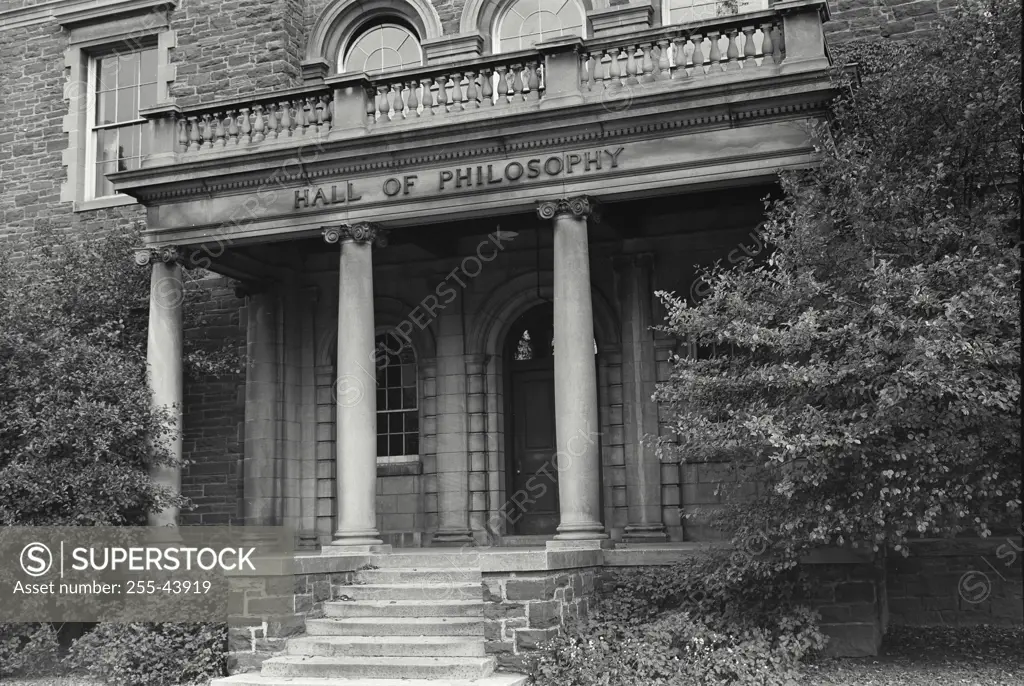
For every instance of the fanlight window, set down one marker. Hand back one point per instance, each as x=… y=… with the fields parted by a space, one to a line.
x=527 y=22
x=383 y=47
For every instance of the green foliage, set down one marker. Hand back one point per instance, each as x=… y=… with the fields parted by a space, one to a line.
x=872 y=385
x=151 y=654
x=73 y=394
x=713 y=620
x=28 y=648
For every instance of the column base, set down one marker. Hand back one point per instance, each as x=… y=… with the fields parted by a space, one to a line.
x=583 y=531
x=454 y=538
x=653 y=533
x=356 y=538
x=353 y=549
x=581 y=544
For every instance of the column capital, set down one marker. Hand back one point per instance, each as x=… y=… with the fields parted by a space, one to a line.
x=580 y=207
x=361 y=232
x=167 y=254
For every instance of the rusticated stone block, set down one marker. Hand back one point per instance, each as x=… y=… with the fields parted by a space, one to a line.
x=544 y=614
x=530 y=589
x=531 y=639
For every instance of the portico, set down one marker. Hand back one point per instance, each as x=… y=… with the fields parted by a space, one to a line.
x=450 y=273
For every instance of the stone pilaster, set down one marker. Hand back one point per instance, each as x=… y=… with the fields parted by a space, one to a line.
x=164 y=357
x=643 y=470
x=452 y=434
x=577 y=432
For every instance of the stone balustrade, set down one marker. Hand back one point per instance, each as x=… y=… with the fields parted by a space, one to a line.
x=562 y=73
x=680 y=54
x=499 y=82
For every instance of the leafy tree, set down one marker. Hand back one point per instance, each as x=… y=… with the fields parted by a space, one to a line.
x=75 y=416
x=867 y=372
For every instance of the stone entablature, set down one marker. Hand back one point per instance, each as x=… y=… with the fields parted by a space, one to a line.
x=359 y=148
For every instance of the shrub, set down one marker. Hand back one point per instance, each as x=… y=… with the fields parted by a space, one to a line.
x=151 y=654
x=28 y=648
x=722 y=618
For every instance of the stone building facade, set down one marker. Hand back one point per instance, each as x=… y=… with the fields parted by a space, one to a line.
x=438 y=231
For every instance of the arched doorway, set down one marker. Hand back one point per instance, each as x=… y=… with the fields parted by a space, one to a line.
x=532 y=479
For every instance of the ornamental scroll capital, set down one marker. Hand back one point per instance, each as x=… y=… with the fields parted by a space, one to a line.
x=580 y=207
x=168 y=254
x=363 y=232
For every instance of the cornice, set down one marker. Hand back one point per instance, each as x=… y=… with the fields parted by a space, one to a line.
x=507 y=147
x=69 y=13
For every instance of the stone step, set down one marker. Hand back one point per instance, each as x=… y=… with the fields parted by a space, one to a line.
x=404 y=608
x=255 y=679
x=427 y=560
x=450 y=591
x=399 y=575
x=379 y=667
x=387 y=646
x=395 y=626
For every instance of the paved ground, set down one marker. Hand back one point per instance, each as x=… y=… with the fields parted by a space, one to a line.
x=978 y=656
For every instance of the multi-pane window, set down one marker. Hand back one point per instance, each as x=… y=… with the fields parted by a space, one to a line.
x=527 y=22
x=120 y=85
x=398 y=418
x=381 y=47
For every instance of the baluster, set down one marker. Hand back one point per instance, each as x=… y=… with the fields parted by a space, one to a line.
x=245 y=128
x=182 y=135
x=748 y=48
x=273 y=122
x=614 y=72
x=303 y=120
x=407 y=100
x=715 y=54
x=258 y=125
x=472 y=92
x=287 y=121
x=442 y=94
x=631 y=66
x=649 y=57
x=502 y=87
x=194 y=137
x=219 y=133
x=679 y=57
x=732 y=53
x=777 y=42
x=427 y=97
x=486 y=87
x=380 y=103
x=329 y=112
x=601 y=70
x=517 y=83
x=457 y=100
x=766 y=44
x=207 y=132
x=232 y=121
x=532 y=81
x=414 y=98
x=395 y=102
x=698 y=54
x=663 y=68
x=319 y=109
x=587 y=77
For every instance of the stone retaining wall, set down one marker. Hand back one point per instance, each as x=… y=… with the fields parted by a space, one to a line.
x=526 y=609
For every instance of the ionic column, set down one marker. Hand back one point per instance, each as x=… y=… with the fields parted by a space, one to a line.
x=164 y=359
x=576 y=424
x=355 y=388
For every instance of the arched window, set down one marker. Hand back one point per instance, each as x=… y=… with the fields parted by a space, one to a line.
x=382 y=46
x=526 y=22
x=398 y=417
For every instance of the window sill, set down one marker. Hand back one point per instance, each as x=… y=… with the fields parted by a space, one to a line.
x=408 y=468
x=104 y=203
